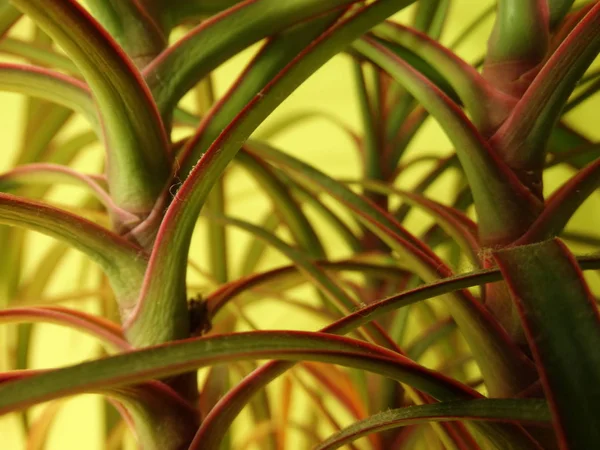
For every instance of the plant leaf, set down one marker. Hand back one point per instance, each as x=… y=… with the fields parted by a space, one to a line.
x=108 y=332
x=8 y=16
x=136 y=141
x=563 y=203
x=288 y=276
x=38 y=54
x=558 y=10
x=562 y=325
x=493 y=349
x=134 y=26
x=522 y=138
x=504 y=206
x=55 y=174
x=458 y=226
x=290 y=212
x=278 y=52
x=179 y=68
x=158 y=320
x=230 y=406
x=508 y=410
x=336 y=294
x=487 y=106
x=49 y=85
x=124 y=263
x=161 y=419
x=183 y=356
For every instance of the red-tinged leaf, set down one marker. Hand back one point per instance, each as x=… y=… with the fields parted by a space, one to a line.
x=338 y=297
x=162 y=361
x=558 y=10
x=49 y=85
x=159 y=417
x=522 y=138
x=496 y=354
x=108 y=332
x=38 y=54
x=230 y=407
x=339 y=226
x=37 y=435
x=136 y=141
x=181 y=66
x=55 y=174
x=462 y=229
x=278 y=52
x=565 y=143
x=517 y=44
x=563 y=203
x=158 y=320
x=339 y=385
x=323 y=409
x=288 y=276
x=562 y=325
x=487 y=106
x=504 y=206
x=133 y=25
x=494 y=410
x=123 y=262
x=286 y=206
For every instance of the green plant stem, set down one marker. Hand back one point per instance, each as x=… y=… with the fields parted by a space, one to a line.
x=518 y=43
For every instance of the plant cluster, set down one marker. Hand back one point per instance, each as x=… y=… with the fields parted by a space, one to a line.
x=505 y=327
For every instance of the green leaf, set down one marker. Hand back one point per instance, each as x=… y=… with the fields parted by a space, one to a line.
x=277 y=52
x=504 y=207
x=563 y=203
x=123 y=262
x=183 y=356
x=287 y=277
x=161 y=419
x=558 y=10
x=564 y=141
x=336 y=294
x=561 y=322
x=185 y=63
x=493 y=349
x=135 y=138
x=229 y=407
x=108 y=332
x=458 y=226
x=38 y=54
x=29 y=175
x=8 y=16
x=49 y=85
x=430 y=16
x=134 y=27
x=518 y=43
x=166 y=272
x=526 y=410
x=290 y=212
x=256 y=248
x=487 y=106
x=523 y=137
